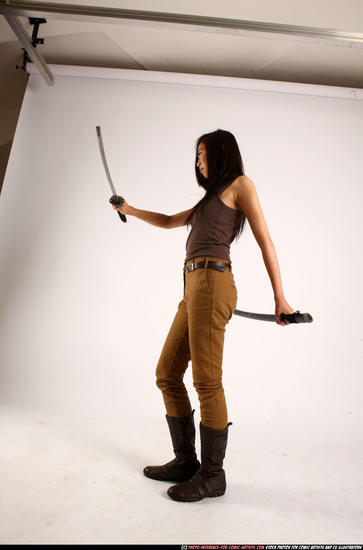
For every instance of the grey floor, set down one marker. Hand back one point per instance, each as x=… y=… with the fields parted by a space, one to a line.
x=78 y=480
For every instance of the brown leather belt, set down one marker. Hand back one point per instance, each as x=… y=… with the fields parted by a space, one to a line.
x=219 y=266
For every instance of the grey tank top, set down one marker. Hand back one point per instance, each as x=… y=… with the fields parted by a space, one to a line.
x=213 y=230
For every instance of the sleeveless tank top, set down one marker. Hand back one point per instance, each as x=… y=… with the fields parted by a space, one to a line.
x=213 y=230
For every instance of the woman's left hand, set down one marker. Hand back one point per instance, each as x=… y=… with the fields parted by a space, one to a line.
x=281 y=306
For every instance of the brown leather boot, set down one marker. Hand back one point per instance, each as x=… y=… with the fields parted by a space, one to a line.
x=185 y=463
x=210 y=479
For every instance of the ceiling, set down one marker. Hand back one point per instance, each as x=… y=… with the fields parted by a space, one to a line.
x=173 y=48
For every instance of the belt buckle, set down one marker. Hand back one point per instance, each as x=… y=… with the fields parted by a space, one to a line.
x=192 y=266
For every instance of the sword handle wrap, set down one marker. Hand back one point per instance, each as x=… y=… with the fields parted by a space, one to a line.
x=122 y=216
x=118 y=201
x=296 y=317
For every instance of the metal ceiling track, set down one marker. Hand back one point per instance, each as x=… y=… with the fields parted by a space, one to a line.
x=33 y=54
x=99 y=14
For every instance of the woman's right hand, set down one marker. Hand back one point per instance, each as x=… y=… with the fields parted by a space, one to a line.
x=122 y=208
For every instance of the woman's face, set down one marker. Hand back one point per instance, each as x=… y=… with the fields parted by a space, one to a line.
x=202 y=160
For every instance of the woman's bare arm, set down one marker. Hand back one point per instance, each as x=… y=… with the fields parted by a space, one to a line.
x=247 y=200
x=155 y=218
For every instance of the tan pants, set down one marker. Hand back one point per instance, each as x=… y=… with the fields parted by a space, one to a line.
x=197 y=334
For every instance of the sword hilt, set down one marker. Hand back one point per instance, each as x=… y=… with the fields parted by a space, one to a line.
x=115 y=200
x=296 y=317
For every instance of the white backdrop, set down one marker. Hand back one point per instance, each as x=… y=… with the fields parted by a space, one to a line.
x=86 y=301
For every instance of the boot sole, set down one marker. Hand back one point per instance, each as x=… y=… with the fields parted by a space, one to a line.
x=214 y=495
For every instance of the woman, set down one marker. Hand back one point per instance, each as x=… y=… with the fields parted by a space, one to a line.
x=210 y=296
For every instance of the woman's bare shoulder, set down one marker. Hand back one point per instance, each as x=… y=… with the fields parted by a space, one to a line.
x=243 y=184
x=244 y=181
x=245 y=193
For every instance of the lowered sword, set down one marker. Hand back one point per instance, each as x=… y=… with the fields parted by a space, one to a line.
x=115 y=199
x=295 y=317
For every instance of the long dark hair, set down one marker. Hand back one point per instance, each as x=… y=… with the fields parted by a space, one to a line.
x=224 y=166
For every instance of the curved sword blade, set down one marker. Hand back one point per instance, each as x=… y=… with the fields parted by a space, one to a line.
x=103 y=156
x=256 y=316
